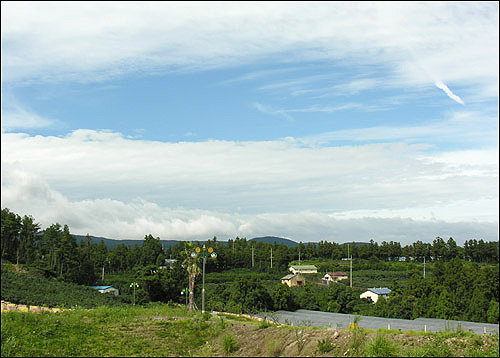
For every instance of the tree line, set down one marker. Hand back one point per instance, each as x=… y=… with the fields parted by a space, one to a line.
x=463 y=284
x=56 y=250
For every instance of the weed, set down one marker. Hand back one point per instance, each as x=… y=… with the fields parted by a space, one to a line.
x=274 y=347
x=300 y=339
x=230 y=344
x=358 y=335
x=325 y=345
x=432 y=349
x=264 y=324
x=221 y=323
x=381 y=346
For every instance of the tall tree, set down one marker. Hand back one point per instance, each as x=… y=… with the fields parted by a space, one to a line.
x=193 y=270
x=10 y=228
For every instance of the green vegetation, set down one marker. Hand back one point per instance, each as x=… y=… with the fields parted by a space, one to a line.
x=33 y=288
x=170 y=330
x=230 y=344
x=325 y=345
x=461 y=283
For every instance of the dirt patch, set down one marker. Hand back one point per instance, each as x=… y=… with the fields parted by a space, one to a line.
x=275 y=341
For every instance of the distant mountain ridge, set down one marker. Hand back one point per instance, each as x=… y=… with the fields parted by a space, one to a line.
x=275 y=239
x=112 y=243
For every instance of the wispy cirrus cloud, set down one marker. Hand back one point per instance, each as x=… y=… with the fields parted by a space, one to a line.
x=457 y=42
x=16 y=116
x=453 y=96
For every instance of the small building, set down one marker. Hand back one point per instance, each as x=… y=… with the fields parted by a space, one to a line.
x=335 y=277
x=293 y=280
x=375 y=293
x=303 y=269
x=107 y=289
x=169 y=263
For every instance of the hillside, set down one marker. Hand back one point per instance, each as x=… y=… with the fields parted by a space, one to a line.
x=112 y=243
x=274 y=239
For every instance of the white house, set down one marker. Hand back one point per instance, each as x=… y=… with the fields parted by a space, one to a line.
x=375 y=293
x=303 y=269
x=335 y=276
x=169 y=263
x=107 y=289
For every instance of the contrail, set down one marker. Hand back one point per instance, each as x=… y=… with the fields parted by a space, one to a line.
x=453 y=96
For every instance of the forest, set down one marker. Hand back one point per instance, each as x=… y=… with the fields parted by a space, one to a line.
x=461 y=282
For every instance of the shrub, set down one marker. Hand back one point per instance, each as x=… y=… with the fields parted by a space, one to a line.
x=381 y=346
x=325 y=345
x=229 y=343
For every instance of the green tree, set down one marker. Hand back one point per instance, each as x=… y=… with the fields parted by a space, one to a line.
x=282 y=298
x=251 y=295
x=493 y=312
x=10 y=237
x=150 y=250
x=444 y=307
x=29 y=228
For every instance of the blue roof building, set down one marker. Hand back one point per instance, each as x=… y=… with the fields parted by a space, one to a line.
x=375 y=293
x=107 y=289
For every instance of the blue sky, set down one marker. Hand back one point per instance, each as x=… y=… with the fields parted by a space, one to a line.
x=313 y=121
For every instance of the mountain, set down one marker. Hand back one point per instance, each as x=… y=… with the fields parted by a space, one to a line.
x=112 y=243
x=273 y=239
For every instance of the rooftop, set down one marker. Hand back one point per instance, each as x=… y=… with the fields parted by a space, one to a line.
x=102 y=287
x=304 y=267
x=380 y=291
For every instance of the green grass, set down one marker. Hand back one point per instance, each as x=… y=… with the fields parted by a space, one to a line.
x=105 y=331
x=229 y=343
x=164 y=330
x=381 y=346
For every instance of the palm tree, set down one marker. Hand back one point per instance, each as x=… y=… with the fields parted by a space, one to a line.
x=191 y=264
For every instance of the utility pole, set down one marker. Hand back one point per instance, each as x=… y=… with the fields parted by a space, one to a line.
x=350 y=259
x=299 y=255
x=252 y=256
x=424 y=266
x=271 y=257
x=351 y=271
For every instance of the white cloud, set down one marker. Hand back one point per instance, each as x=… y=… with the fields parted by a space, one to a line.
x=453 y=96
x=464 y=127
x=454 y=41
x=28 y=194
x=110 y=185
x=16 y=116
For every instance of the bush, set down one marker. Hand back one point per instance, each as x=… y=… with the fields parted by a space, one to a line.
x=381 y=346
x=325 y=345
x=229 y=343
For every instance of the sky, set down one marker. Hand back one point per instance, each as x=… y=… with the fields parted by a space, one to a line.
x=335 y=121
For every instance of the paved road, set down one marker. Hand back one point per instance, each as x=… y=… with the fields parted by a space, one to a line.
x=340 y=320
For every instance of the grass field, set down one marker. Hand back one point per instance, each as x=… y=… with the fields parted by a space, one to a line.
x=165 y=330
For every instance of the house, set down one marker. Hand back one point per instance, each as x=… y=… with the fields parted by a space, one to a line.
x=335 y=277
x=169 y=263
x=303 y=269
x=107 y=289
x=293 y=280
x=375 y=293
